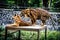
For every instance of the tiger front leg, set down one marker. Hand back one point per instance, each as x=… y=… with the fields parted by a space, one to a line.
x=43 y=22
x=33 y=22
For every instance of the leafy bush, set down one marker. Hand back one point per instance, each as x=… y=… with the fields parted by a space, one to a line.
x=26 y=35
x=1 y=28
x=51 y=35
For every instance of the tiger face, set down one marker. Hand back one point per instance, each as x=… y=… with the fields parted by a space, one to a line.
x=17 y=19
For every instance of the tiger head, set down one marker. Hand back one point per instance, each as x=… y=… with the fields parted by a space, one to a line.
x=17 y=18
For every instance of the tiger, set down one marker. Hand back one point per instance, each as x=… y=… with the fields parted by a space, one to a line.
x=35 y=14
x=19 y=22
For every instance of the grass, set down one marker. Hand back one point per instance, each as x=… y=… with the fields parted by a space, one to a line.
x=51 y=35
x=28 y=35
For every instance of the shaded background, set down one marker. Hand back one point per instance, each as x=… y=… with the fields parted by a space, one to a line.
x=54 y=4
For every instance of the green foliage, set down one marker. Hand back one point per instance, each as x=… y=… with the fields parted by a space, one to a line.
x=10 y=3
x=26 y=35
x=53 y=35
x=55 y=3
x=26 y=3
x=31 y=3
x=35 y=3
x=1 y=28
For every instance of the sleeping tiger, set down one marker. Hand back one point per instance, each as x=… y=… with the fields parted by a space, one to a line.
x=35 y=14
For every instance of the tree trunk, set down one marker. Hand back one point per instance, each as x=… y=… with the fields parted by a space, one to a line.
x=45 y=3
